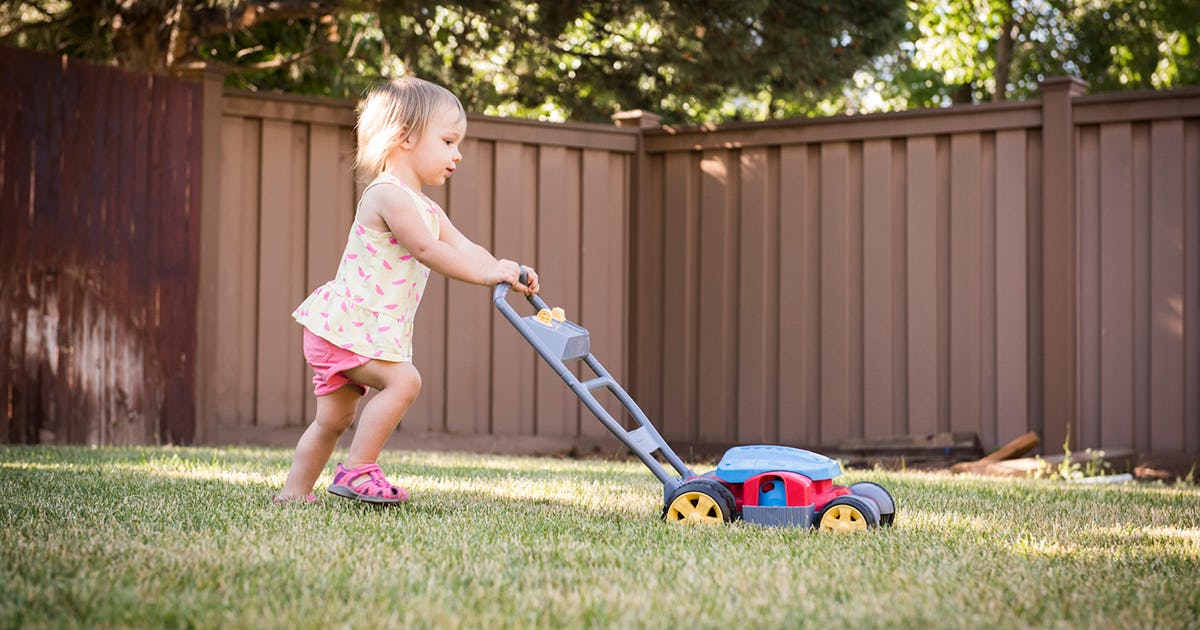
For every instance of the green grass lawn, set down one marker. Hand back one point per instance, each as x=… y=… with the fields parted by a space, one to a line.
x=169 y=537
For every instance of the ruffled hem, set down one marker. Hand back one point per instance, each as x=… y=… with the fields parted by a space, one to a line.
x=354 y=328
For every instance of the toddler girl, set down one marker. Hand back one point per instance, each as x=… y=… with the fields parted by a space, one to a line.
x=358 y=327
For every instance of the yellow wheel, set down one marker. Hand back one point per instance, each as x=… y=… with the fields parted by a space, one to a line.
x=847 y=515
x=700 y=501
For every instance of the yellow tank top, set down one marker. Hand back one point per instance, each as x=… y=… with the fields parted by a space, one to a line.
x=368 y=308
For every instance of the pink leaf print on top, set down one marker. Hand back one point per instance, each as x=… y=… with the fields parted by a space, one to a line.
x=379 y=289
x=371 y=248
x=406 y=257
x=386 y=265
x=399 y=282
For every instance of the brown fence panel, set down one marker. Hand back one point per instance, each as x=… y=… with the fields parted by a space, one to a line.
x=842 y=278
x=1139 y=247
x=555 y=196
x=971 y=269
x=99 y=253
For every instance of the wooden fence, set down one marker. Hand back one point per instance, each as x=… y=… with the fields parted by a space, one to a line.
x=992 y=269
x=99 y=199
x=555 y=196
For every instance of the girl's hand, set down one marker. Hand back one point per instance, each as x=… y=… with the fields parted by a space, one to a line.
x=531 y=286
x=503 y=270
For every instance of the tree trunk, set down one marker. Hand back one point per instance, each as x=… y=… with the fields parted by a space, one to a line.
x=1004 y=56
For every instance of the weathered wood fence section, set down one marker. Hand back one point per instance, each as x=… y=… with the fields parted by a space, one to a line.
x=556 y=196
x=99 y=225
x=994 y=269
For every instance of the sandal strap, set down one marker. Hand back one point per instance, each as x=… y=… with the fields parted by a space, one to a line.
x=376 y=484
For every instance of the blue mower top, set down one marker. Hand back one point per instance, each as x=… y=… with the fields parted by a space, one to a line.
x=743 y=462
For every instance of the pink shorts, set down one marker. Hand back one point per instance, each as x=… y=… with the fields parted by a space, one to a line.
x=328 y=362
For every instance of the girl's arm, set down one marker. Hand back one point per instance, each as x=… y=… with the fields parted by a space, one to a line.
x=402 y=218
x=459 y=241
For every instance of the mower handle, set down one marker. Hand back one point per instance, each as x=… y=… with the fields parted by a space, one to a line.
x=501 y=291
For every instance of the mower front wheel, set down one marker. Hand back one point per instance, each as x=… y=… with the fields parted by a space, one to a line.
x=701 y=501
x=848 y=514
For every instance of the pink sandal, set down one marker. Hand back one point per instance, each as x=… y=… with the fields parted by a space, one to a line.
x=374 y=489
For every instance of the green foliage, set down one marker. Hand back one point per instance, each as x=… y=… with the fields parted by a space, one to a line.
x=689 y=60
x=578 y=59
x=187 y=537
x=982 y=50
x=1092 y=464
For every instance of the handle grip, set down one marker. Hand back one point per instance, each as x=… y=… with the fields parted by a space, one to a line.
x=501 y=292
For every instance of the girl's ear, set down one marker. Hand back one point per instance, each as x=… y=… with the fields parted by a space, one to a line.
x=408 y=141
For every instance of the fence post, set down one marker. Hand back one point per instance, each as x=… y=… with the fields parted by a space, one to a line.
x=213 y=106
x=1060 y=319
x=637 y=274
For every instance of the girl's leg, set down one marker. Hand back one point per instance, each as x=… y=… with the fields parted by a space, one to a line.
x=398 y=385
x=335 y=413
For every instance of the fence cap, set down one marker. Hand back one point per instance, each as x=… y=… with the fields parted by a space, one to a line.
x=637 y=118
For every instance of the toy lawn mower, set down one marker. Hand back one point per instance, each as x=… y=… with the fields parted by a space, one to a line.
x=762 y=484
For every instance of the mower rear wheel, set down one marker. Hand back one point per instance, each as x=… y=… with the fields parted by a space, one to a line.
x=848 y=514
x=881 y=497
x=701 y=501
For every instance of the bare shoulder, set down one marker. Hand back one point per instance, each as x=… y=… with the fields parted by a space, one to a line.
x=380 y=205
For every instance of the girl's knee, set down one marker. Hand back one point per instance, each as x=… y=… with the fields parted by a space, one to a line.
x=336 y=422
x=404 y=377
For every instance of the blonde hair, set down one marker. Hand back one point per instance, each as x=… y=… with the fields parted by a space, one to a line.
x=394 y=112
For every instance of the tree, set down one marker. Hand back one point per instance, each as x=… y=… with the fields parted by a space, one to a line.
x=583 y=59
x=956 y=51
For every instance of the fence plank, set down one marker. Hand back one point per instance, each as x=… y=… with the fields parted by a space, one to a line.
x=428 y=411
x=799 y=260
x=966 y=277
x=1168 y=367
x=1116 y=289
x=513 y=402
x=879 y=310
x=235 y=384
x=558 y=258
x=647 y=311
x=1012 y=304
x=1139 y=422
x=1191 y=296
x=468 y=319
x=603 y=276
x=1089 y=290
x=758 y=299
x=718 y=298
x=837 y=289
x=924 y=353
x=681 y=296
x=281 y=274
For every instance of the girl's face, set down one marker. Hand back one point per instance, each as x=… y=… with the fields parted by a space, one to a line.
x=435 y=153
